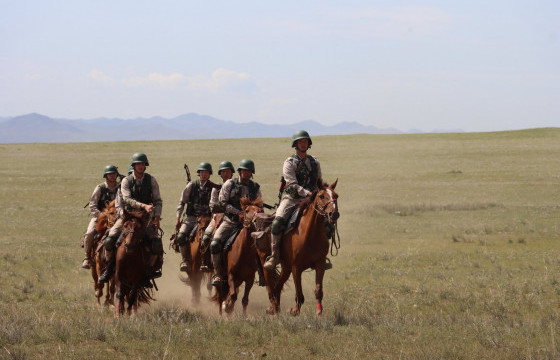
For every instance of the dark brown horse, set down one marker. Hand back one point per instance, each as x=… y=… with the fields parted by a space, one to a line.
x=241 y=261
x=104 y=223
x=305 y=247
x=132 y=257
x=196 y=253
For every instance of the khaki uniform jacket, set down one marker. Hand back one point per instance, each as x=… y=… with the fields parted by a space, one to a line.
x=94 y=199
x=185 y=196
x=228 y=191
x=127 y=195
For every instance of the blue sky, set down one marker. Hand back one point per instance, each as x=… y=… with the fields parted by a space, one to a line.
x=471 y=65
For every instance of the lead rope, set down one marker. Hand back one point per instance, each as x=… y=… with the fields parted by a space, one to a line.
x=334 y=244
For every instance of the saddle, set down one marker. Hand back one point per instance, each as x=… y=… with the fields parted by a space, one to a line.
x=231 y=239
x=263 y=223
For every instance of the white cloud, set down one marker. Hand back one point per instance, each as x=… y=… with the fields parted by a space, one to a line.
x=99 y=76
x=220 y=79
x=160 y=80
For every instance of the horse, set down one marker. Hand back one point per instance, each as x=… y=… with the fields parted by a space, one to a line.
x=104 y=223
x=131 y=260
x=196 y=254
x=241 y=261
x=306 y=246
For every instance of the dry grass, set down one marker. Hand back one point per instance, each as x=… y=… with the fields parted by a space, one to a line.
x=449 y=250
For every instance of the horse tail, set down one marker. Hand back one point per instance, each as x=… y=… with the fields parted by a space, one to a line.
x=144 y=295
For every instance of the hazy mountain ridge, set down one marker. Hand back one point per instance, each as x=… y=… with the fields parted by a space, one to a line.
x=40 y=128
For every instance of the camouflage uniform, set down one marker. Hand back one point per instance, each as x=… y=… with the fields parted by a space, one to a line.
x=196 y=197
x=301 y=175
x=102 y=194
x=135 y=193
x=230 y=194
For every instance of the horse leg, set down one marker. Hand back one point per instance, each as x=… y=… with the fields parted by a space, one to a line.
x=245 y=301
x=296 y=273
x=196 y=279
x=111 y=290
x=319 y=273
x=119 y=308
x=274 y=295
x=232 y=295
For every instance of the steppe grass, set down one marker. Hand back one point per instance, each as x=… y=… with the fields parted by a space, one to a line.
x=449 y=250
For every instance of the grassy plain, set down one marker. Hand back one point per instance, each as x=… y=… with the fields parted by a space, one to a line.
x=450 y=250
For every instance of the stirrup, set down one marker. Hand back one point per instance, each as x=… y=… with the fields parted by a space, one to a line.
x=328 y=264
x=270 y=264
x=205 y=268
x=217 y=279
x=184 y=266
x=86 y=264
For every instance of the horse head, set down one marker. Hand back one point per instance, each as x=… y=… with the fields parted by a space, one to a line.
x=325 y=202
x=249 y=211
x=134 y=224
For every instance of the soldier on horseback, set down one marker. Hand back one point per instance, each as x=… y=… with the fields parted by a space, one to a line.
x=301 y=172
x=230 y=199
x=102 y=195
x=196 y=196
x=139 y=190
x=226 y=171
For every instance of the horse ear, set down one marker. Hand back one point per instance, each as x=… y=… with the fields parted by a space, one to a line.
x=333 y=185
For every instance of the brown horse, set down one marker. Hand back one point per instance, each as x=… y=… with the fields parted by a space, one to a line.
x=304 y=247
x=104 y=223
x=131 y=261
x=196 y=253
x=241 y=261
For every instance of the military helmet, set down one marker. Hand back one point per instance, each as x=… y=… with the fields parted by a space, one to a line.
x=301 y=134
x=225 y=165
x=110 y=169
x=247 y=165
x=204 y=166
x=139 y=158
x=130 y=169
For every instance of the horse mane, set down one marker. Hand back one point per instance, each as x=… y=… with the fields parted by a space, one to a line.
x=245 y=201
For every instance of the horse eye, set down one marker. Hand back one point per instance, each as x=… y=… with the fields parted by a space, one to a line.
x=321 y=196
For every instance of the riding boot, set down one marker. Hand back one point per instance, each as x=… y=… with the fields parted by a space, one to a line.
x=185 y=255
x=88 y=243
x=109 y=268
x=146 y=281
x=204 y=252
x=218 y=278
x=274 y=257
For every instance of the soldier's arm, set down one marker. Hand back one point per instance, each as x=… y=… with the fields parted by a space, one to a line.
x=93 y=200
x=224 y=196
x=319 y=173
x=292 y=187
x=156 y=199
x=184 y=199
x=127 y=196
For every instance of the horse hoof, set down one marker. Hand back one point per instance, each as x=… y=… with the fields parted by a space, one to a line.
x=294 y=311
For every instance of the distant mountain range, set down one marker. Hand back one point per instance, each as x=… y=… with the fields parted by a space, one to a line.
x=40 y=128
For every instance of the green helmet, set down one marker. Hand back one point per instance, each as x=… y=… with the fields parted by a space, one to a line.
x=130 y=169
x=139 y=158
x=204 y=166
x=110 y=169
x=225 y=165
x=247 y=165
x=301 y=134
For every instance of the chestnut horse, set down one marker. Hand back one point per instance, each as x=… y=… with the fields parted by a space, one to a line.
x=241 y=261
x=196 y=253
x=304 y=247
x=131 y=261
x=104 y=223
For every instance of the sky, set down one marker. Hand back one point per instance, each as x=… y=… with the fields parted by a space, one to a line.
x=427 y=65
